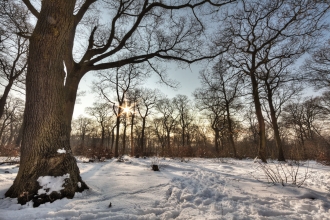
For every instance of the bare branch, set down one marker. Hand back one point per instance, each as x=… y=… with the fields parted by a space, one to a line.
x=31 y=8
x=82 y=10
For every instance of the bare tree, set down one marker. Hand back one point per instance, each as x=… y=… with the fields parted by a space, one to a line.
x=11 y=121
x=317 y=67
x=168 y=120
x=13 y=47
x=325 y=102
x=207 y=100
x=125 y=79
x=160 y=133
x=183 y=109
x=82 y=125
x=264 y=32
x=303 y=117
x=250 y=116
x=101 y=112
x=132 y=98
x=220 y=92
x=280 y=85
x=146 y=102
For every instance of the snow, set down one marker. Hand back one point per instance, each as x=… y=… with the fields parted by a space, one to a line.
x=50 y=184
x=66 y=73
x=196 y=189
x=61 y=151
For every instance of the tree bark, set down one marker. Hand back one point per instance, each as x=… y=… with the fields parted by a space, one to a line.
x=4 y=97
x=277 y=137
x=260 y=118
x=50 y=98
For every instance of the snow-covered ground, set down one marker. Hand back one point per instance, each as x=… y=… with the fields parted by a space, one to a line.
x=197 y=189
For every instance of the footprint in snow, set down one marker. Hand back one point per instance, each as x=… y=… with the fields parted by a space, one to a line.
x=227 y=167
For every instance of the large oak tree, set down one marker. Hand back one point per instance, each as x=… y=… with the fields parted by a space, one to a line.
x=136 y=31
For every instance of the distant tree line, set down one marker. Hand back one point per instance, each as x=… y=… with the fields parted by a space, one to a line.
x=180 y=127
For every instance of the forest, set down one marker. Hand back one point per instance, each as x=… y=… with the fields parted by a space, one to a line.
x=151 y=124
x=259 y=61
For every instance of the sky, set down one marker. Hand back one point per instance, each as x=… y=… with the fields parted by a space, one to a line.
x=188 y=79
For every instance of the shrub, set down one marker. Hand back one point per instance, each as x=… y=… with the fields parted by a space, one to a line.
x=281 y=172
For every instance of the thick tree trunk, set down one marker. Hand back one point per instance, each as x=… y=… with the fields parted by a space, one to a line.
x=260 y=118
x=277 y=137
x=50 y=98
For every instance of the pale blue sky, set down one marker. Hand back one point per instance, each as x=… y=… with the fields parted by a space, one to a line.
x=188 y=79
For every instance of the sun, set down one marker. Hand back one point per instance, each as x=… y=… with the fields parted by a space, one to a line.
x=126 y=109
